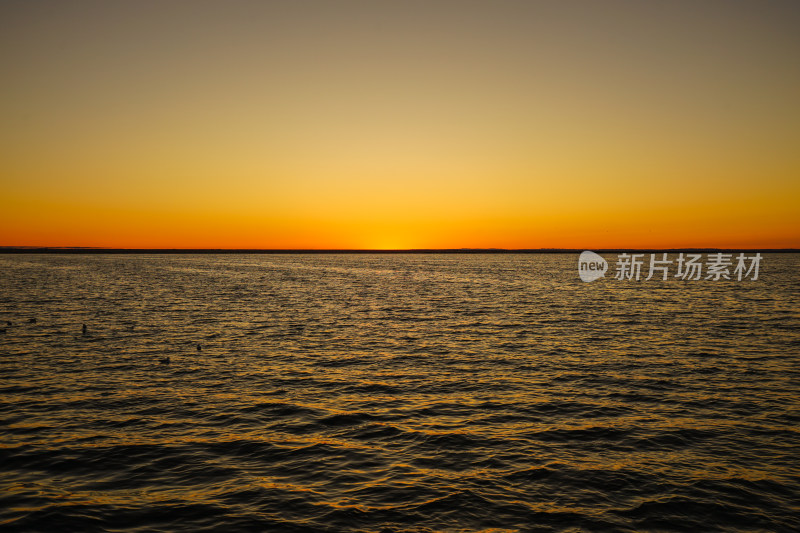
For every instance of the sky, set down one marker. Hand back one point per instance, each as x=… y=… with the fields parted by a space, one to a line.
x=400 y=124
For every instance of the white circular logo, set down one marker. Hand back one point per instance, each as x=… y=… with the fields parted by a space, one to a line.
x=591 y=266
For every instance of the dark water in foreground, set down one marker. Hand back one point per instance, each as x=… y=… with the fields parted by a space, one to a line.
x=394 y=393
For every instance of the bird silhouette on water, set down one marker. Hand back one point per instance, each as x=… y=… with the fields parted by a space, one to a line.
x=32 y=321
x=164 y=360
x=84 y=330
x=199 y=348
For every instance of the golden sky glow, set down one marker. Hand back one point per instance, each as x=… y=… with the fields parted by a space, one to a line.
x=381 y=124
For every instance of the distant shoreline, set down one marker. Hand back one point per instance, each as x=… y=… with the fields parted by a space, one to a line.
x=76 y=250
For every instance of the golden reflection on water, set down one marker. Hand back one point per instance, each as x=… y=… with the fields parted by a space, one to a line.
x=496 y=386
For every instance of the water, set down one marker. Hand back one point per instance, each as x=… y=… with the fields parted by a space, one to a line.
x=394 y=393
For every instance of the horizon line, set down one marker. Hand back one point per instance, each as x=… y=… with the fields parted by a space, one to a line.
x=104 y=250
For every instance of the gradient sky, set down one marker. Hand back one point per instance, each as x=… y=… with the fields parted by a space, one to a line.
x=400 y=124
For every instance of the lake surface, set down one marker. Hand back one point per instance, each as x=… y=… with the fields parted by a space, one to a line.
x=394 y=393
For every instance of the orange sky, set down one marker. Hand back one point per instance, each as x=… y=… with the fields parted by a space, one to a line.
x=439 y=124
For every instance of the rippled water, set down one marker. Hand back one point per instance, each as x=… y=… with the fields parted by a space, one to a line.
x=394 y=393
